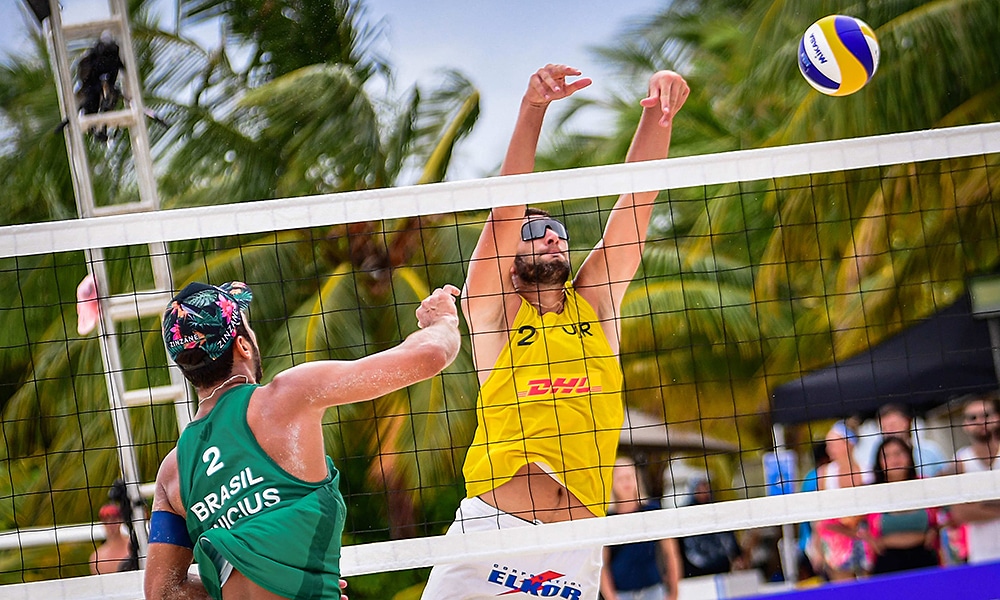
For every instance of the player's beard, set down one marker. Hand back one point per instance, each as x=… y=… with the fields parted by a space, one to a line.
x=538 y=272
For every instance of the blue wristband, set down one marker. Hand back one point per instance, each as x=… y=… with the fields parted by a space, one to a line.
x=169 y=528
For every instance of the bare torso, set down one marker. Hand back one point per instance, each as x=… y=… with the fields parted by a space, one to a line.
x=110 y=556
x=534 y=495
x=238 y=587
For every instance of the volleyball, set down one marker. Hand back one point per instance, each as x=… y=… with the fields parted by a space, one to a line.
x=838 y=55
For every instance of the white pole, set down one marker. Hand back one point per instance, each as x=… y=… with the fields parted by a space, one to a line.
x=789 y=550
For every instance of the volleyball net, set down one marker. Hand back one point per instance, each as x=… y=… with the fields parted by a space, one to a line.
x=778 y=294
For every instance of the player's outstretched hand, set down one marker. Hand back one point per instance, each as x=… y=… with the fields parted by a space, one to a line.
x=668 y=91
x=343 y=589
x=439 y=305
x=549 y=83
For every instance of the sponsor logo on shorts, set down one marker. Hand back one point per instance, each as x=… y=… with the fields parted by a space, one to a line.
x=545 y=585
x=557 y=386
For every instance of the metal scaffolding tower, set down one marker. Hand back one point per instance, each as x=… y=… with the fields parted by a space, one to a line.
x=127 y=306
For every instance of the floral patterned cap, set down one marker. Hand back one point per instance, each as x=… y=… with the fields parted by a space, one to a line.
x=205 y=316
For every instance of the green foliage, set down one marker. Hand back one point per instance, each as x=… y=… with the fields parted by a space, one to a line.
x=290 y=34
x=397 y=585
x=235 y=136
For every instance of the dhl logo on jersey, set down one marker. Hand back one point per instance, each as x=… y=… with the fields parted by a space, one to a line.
x=559 y=386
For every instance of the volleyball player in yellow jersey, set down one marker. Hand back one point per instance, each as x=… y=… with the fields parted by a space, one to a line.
x=546 y=350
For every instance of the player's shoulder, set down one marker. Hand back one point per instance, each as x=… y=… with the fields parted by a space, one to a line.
x=597 y=295
x=491 y=314
x=170 y=460
x=167 y=492
x=168 y=468
x=298 y=386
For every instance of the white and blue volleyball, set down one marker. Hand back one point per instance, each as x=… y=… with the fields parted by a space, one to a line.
x=838 y=55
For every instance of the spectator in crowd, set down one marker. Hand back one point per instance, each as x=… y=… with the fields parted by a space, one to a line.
x=709 y=553
x=97 y=88
x=895 y=420
x=640 y=570
x=97 y=69
x=906 y=539
x=115 y=553
x=981 y=422
x=953 y=548
x=841 y=547
x=760 y=552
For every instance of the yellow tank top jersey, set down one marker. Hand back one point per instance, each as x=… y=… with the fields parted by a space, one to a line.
x=554 y=397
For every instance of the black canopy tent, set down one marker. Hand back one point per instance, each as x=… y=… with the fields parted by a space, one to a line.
x=946 y=355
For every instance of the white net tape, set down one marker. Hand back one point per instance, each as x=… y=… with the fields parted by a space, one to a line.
x=676 y=173
x=672 y=173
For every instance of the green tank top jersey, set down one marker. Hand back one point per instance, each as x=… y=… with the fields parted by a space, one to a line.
x=243 y=509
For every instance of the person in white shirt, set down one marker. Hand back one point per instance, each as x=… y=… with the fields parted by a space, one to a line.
x=981 y=422
x=895 y=420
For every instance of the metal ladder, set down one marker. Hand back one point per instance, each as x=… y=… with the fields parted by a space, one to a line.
x=127 y=306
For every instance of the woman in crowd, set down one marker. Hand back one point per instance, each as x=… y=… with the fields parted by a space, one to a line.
x=905 y=539
x=116 y=553
x=843 y=551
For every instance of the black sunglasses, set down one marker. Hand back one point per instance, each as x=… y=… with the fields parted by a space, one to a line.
x=535 y=229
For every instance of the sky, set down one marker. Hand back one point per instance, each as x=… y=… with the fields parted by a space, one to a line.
x=497 y=44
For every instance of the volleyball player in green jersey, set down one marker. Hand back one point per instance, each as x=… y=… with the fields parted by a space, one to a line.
x=546 y=351
x=249 y=493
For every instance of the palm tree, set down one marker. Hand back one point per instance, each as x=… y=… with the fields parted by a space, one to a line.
x=33 y=157
x=344 y=139
x=286 y=36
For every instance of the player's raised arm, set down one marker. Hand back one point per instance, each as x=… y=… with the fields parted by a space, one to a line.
x=608 y=270
x=545 y=86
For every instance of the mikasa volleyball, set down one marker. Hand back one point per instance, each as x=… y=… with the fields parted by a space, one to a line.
x=838 y=55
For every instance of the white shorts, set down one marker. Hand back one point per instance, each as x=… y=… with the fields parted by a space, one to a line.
x=571 y=575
